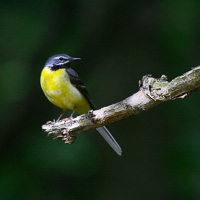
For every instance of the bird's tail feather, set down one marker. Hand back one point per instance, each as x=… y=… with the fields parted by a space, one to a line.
x=110 y=139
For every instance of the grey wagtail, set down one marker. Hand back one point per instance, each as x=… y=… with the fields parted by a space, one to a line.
x=63 y=88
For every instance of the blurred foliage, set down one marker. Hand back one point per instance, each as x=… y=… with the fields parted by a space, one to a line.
x=119 y=42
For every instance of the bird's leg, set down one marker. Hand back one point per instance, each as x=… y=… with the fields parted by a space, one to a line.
x=71 y=116
x=61 y=115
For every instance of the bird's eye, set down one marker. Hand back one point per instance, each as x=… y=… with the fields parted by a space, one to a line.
x=61 y=58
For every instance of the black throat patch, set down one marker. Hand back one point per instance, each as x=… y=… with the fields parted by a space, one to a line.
x=56 y=67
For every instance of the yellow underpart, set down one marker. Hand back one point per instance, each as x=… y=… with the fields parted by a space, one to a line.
x=59 y=91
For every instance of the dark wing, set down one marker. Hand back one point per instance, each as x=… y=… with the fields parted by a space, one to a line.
x=76 y=81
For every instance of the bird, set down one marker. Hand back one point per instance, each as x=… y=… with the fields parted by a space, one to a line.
x=63 y=88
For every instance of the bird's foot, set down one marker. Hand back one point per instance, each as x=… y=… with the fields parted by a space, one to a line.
x=68 y=118
x=49 y=122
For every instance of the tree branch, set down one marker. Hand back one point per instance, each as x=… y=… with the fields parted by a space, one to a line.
x=152 y=92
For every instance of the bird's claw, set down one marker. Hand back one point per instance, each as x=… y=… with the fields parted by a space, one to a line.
x=49 y=122
x=68 y=118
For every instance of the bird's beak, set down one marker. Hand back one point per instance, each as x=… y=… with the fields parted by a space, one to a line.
x=72 y=59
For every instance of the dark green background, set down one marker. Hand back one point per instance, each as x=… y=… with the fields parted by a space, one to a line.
x=119 y=42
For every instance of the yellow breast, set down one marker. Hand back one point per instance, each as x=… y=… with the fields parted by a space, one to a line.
x=59 y=90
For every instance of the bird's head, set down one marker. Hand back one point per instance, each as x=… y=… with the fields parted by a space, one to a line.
x=59 y=61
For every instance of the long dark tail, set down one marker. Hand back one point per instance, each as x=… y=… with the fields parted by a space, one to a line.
x=110 y=139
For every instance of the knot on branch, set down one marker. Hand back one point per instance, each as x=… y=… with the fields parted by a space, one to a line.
x=155 y=88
